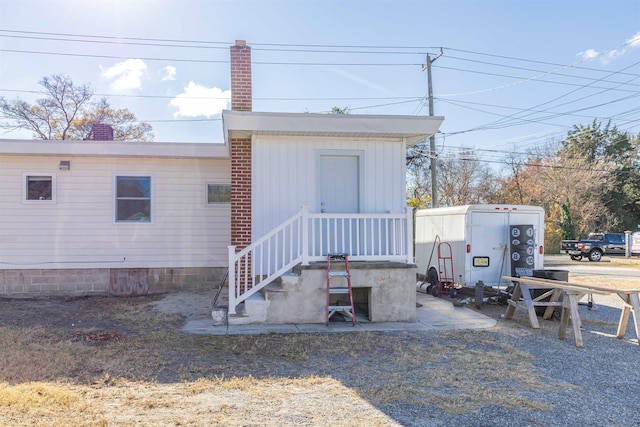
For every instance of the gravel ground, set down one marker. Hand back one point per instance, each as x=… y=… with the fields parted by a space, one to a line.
x=597 y=385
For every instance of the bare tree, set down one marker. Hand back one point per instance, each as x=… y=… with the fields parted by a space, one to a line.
x=464 y=180
x=67 y=112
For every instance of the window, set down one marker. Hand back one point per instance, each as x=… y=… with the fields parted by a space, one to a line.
x=218 y=193
x=40 y=187
x=133 y=199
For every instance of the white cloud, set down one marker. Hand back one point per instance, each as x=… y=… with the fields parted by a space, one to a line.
x=635 y=40
x=610 y=55
x=199 y=100
x=588 y=54
x=127 y=74
x=168 y=72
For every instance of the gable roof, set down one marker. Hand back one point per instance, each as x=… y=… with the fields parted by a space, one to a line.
x=413 y=129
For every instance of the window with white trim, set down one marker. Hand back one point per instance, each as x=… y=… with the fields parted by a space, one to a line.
x=133 y=198
x=39 y=187
x=218 y=194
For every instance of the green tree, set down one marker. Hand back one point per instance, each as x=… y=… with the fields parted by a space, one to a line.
x=567 y=229
x=617 y=154
x=338 y=110
x=66 y=112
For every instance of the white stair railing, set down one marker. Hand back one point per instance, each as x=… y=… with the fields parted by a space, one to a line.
x=306 y=237
x=364 y=237
x=266 y=259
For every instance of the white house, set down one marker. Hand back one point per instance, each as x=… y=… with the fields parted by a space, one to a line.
x=82 y=217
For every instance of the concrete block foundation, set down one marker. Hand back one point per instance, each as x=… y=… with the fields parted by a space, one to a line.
x=386 y=290
x=31 y=283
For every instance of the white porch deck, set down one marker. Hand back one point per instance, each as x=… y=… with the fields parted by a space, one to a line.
x=308 y=237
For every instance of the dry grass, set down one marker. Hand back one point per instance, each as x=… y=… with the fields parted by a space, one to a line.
x=156 y=375
x=614 y=283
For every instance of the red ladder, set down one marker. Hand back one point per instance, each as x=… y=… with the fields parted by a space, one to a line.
x=330 y=310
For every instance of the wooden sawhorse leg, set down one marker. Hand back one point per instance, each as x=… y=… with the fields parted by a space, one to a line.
x=522 y=291
x=555 y=297
x=570 y=310
x=631 y=304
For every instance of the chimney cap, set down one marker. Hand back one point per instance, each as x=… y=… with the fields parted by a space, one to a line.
x=241 y=42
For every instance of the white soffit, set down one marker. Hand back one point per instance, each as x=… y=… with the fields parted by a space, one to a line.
x=242 y=124
x=114 y=149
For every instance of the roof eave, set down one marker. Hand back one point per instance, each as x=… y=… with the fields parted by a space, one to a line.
x=412 y=129
x=114 y=149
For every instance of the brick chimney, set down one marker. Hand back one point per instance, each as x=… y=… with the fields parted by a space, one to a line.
x=241 y=100
x=101 y=132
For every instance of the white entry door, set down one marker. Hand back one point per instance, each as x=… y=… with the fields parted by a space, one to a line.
x=338 y=193
x=339 y=184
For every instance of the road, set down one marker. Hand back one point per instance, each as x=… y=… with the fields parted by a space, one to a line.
x=607 y=267
x=607 y=271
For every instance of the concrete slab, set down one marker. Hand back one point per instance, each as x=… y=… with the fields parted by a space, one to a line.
x=262 y=329
x=331 y=328
x=431 y=314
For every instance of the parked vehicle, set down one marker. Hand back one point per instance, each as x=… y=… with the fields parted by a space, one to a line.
x=480 y=243
x=594 y=246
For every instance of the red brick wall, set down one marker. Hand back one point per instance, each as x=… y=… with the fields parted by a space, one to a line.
x=240 y=192
x=241 y=99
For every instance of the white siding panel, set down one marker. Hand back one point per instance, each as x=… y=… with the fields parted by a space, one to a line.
x=79 y=231
x=284 y=176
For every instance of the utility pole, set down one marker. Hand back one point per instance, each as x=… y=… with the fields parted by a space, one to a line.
x=432 y=139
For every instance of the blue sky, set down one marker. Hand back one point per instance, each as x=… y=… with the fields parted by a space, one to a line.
x=513 y=74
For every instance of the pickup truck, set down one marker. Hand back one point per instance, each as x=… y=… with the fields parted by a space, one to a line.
x=594 y=246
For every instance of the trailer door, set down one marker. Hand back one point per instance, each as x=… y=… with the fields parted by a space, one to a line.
x=488 y=257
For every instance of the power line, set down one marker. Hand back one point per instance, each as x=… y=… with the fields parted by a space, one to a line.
x=87 y=55
x=226 y=44
x=221 y=97
x=114 y=37
x=535 y=70
x=522 y=81
x=515 y=116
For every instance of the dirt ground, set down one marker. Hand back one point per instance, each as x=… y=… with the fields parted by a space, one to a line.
x=126 y=361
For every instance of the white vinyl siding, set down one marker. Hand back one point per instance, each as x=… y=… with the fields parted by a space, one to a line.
x=285 y=171
x=79 y=230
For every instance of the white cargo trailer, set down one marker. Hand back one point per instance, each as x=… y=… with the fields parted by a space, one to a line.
x=487 y=242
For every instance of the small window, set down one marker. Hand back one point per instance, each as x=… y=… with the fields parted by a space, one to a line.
x=39 y=188
x=218 y=193
x=133 y=199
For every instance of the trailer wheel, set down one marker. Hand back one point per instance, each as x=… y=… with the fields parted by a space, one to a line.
x=576 y=257
x=453 y=292
x=432 y=278
x=435 y=291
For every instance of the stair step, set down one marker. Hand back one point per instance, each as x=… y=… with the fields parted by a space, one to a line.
x=342 y=271
x=338 y=273
x=340 y=308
